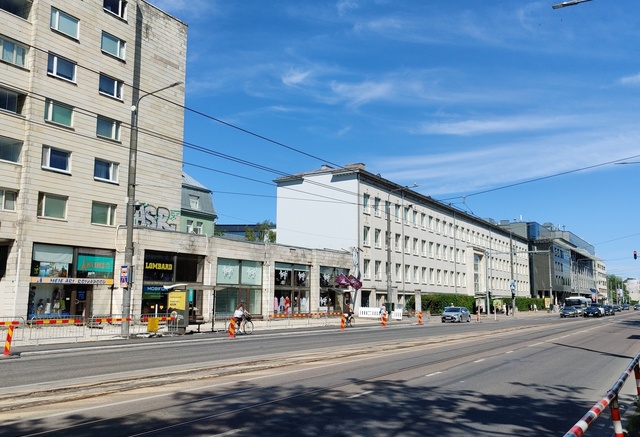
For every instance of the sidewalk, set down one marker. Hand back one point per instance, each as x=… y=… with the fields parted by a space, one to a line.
x=40 y=338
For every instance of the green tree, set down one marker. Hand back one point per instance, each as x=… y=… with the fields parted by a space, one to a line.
x=613 y=284
x=261 y=232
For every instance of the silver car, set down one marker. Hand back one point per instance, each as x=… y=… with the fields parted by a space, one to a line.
x=456 y=314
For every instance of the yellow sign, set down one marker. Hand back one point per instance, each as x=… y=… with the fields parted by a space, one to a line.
x=177 y=300
x=153 y=324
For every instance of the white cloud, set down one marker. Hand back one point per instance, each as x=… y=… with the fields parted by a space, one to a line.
x=630 y=80
x=496 y=125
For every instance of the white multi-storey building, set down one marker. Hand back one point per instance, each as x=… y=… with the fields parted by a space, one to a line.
x=421 y=246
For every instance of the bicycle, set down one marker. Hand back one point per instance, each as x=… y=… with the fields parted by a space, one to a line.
x=245 y=326
x=350 y=321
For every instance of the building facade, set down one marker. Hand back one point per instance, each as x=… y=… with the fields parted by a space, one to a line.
x=70 y=74
x=403 y=243
x=562 y=264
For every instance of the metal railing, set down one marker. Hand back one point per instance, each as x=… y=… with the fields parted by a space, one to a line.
x=609 y=400
x=18 y=325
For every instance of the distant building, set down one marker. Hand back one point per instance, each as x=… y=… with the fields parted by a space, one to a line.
x=238 y=232
x=198 y=215
x=562 y=264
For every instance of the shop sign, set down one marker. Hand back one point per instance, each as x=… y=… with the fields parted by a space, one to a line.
x=80 y=281
x=92 y=263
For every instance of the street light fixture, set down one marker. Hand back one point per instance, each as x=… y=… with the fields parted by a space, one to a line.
x=569 y=3
x=389 y=297
x=131 y=194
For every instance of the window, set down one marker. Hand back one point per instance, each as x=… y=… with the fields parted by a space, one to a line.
x=376 y=206
x=376 y=237
x=57 y=112
x=8 y=200
x=11 y=101
x=108 y=128
x=366 y=273
x=62 y=68
x=365 y=236
x=103 y=214
x=52 y=206
x=12 y=52
x=55 y=159
x=64 y=23
x=112 y=45
x=105 y=171
x=15 y=7
x=10 y=149
x=117 y=7
x=378 y=270
x=111 y=86
x=194 y=201
x=194 y=229
x=365 y=203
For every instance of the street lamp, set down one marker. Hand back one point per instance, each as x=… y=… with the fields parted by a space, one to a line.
x=389 y=298
x=131 y=194
x=569 y=3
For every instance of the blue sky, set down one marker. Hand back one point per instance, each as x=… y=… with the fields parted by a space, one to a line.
x=508 y=109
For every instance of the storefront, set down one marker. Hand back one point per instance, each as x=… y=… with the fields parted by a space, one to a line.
x=333 y=297
x=238 y=281
x=70 y=281
x=292 y=289
x=165 y=272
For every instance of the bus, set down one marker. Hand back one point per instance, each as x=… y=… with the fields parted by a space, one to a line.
x=578 y=301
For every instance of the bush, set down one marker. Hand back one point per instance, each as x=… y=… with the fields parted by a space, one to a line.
x=435 y=302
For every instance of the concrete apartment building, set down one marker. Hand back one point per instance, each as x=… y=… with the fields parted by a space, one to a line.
x=70 y=73
x=434 y=247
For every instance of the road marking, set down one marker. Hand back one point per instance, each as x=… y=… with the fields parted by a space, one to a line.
x=509 y=352
x=433 y=374
x=479 y=361
x=361 y=394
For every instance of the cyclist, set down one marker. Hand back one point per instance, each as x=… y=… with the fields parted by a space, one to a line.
x=238 y=315
x=349 y=318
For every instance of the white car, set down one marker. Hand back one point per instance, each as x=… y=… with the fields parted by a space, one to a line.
x=456 y=314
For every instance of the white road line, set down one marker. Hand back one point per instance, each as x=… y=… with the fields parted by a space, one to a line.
x=361 y=394
x=433 y=374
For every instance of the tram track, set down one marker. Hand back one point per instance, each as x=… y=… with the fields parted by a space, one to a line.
x=24 y=397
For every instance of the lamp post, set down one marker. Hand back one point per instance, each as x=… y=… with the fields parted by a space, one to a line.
x=131 y=194
x=389 y=294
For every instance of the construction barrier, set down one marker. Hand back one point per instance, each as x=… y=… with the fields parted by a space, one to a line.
x=609 y=400
x=17 y=323
x=232 y=328
x=55 y=327
x=420 y=318
x=7 y=343
x=343 y=321
x=383 y=317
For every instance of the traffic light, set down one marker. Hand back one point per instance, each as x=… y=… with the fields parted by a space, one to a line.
x=635 y=254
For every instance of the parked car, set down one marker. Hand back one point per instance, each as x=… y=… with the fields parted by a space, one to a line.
x=456 y=314
x=616 y=307
x=636 y=306
x=625 y=306
x=609 y=310
x=593 y=311
x=568 y=311
x=579 y=311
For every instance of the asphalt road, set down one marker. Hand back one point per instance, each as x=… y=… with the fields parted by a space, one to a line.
x=516 y=377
